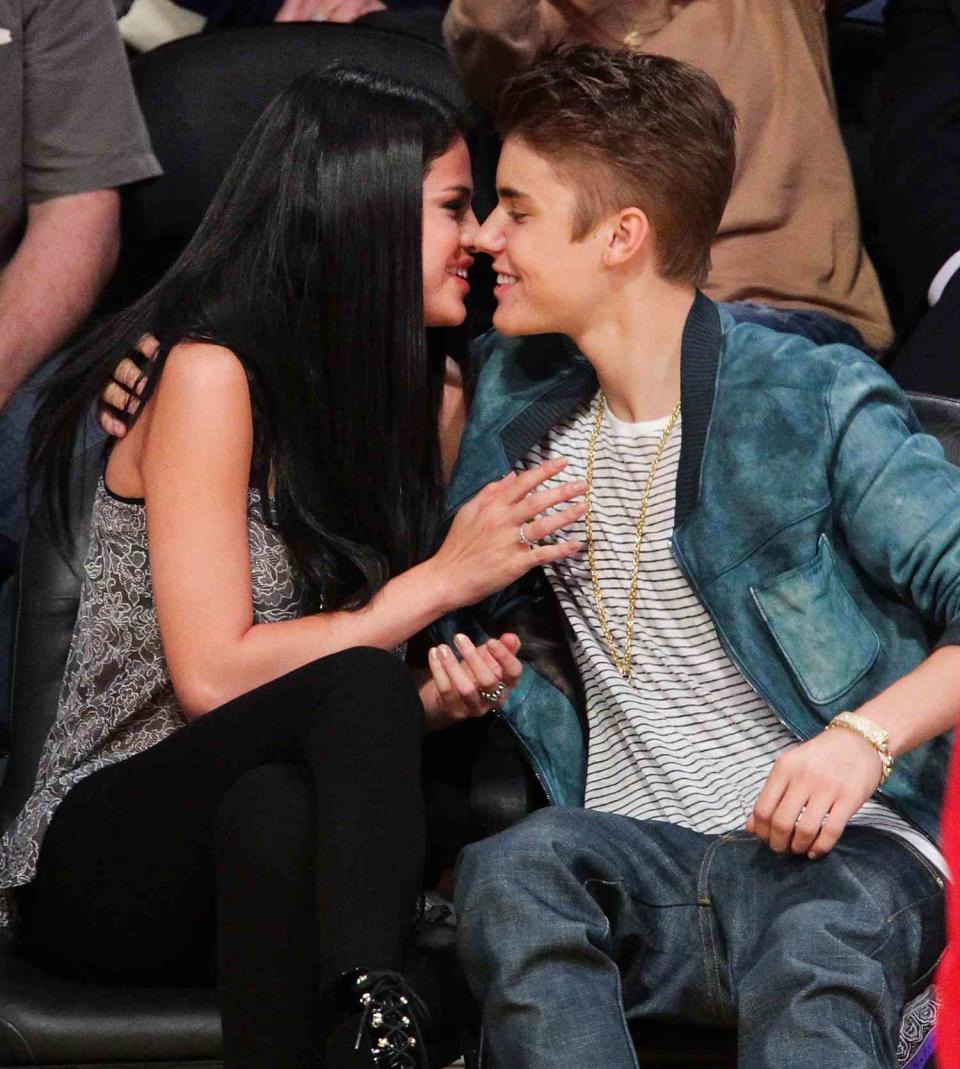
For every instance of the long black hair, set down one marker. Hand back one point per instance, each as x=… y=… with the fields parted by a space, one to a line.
x=308 y=266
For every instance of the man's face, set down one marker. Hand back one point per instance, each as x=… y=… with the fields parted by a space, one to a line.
x=547 y=283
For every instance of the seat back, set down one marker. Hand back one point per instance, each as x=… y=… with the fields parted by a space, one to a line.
x=49 y=576
x=201 y=95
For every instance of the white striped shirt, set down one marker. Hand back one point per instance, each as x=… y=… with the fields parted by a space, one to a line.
x=687 y=740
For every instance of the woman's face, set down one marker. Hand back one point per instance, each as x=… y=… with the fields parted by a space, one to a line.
x=449 y=229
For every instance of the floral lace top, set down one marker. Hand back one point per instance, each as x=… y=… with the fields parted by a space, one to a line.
x=116 y=699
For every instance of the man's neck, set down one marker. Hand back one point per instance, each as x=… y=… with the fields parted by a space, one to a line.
x=633 y=344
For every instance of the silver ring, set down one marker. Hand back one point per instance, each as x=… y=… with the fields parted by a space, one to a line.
x=524 y=541
x=493 y=696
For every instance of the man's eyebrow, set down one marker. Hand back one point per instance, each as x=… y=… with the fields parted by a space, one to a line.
x=509 y=193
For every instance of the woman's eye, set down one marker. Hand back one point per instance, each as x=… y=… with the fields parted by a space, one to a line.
x=459 y=208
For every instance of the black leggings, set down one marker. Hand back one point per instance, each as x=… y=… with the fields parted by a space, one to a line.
x=285 y=829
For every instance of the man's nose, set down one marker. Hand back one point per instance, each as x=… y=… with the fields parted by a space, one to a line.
x=489 y=237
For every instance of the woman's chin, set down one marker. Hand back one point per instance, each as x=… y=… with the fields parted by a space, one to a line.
x=446 y=317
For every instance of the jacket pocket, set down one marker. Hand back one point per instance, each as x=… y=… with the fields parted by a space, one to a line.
x=822 y=635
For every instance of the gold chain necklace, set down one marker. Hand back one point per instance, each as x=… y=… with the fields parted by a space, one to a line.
x=624 y=661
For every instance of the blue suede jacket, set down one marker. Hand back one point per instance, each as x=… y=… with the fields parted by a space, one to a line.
x=816 y=523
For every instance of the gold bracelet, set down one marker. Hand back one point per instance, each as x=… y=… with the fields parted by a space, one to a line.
x=873 y=733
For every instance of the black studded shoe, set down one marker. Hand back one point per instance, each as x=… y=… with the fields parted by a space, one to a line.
x=384 y=1027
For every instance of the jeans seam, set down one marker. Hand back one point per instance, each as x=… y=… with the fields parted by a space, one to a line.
x=606 y=883
x=706 y=920
x=917 y=903
x=915 y=986
x=607 y=934
x=623 y=1019
x=873 y=1027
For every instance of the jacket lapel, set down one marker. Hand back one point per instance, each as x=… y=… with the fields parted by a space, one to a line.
x=699 y=361
x=543 y=379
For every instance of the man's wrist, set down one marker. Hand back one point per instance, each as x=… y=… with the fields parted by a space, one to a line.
x=872 y=732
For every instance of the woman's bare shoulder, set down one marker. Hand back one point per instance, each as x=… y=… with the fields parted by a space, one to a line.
x=203 y=366
x=203 y=396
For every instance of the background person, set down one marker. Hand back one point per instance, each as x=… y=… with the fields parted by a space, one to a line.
x=70 y=133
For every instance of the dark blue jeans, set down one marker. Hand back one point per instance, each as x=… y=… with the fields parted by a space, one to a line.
x=576 y=926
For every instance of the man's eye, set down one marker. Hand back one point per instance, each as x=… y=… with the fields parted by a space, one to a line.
x=517 y=217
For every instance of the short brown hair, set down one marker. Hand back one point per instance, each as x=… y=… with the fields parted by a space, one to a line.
x=631 y=129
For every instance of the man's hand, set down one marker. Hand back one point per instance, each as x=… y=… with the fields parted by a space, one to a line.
x=450 y=689
x=121 y=396
x=812 y=792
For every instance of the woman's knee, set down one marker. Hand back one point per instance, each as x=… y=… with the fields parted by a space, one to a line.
x=266 y=819
x=373 y=692
x=373 y=667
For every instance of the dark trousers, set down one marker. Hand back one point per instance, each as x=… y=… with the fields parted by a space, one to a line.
x=927 y=359
x=277 y=841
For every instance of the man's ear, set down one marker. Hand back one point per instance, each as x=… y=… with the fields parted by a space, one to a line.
x=629 y=236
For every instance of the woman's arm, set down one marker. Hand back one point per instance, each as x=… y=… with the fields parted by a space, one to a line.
x=195 y=469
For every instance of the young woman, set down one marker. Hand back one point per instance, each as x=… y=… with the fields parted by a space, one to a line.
x=234 y=771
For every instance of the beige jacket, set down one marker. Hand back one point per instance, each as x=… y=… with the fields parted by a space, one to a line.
x=791 y=234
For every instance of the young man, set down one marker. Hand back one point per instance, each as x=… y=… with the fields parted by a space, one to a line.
x=789 y=237
x=769 y=542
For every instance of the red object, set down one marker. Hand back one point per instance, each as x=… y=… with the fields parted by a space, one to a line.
x=948 y=979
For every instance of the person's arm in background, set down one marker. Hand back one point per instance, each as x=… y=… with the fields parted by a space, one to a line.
x=82 y=136
x=327 y=10
x=65 y=258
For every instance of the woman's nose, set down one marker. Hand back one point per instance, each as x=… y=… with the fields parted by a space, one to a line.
x=469 y=231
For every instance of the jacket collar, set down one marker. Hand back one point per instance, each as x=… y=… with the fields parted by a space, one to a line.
x=542 y=379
